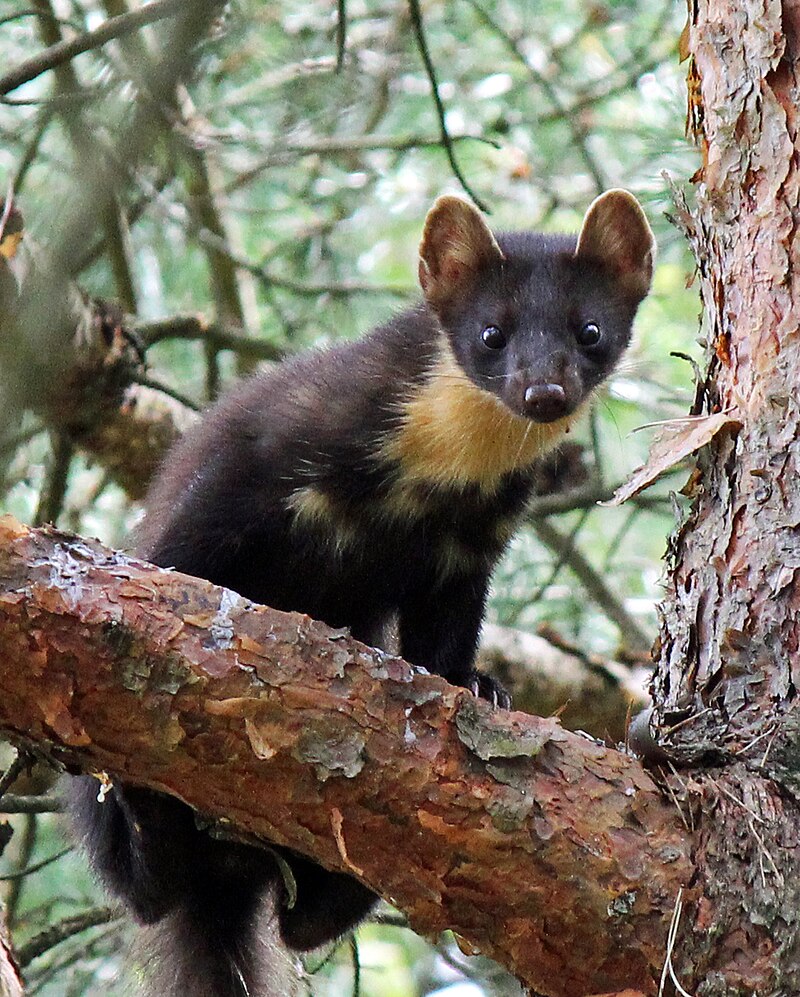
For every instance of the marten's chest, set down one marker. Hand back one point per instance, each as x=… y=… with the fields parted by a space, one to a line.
x=445 y=482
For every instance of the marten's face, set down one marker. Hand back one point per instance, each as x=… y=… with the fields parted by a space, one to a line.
x=541 y=328
x=539 y=321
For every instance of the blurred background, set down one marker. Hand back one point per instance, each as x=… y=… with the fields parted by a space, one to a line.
x=194 y=189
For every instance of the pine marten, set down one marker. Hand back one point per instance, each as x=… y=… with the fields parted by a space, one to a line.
x=372 y=481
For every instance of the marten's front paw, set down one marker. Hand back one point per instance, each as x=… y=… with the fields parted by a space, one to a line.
x=487 y=687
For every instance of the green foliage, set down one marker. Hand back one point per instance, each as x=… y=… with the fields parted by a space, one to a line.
x=317 y=181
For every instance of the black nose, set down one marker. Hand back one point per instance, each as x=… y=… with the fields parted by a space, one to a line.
x=545 y=402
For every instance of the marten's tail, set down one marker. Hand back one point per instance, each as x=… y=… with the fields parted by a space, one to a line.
x=216 y=951
x=208 y=905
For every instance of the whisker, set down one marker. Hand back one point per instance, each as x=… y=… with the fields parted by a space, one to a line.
x=521 y=447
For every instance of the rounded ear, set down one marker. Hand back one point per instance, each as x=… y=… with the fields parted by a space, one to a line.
x=456 y=244
x=616 y=232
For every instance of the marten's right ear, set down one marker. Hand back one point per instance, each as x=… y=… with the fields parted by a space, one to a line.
x=456 y=243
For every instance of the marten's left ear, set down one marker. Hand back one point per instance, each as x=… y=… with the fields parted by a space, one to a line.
x=616 y=232
x=456 y=244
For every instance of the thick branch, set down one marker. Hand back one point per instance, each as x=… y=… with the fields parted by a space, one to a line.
x=551 y=853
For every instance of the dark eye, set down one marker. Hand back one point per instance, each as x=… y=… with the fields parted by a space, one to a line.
x=589 y=334
x=493 y=337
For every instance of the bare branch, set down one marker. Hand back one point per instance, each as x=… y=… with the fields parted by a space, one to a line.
x=54 y=488
x=11 y=803
x=29 y=870
x=64 y=929
x=501 y=826
x=198 y=328
x=585 y=691
x=341 y=33
x=346 y=145
x=632 y=633
x=14 y=769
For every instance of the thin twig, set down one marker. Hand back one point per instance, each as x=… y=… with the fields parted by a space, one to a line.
x=676 y=801
x=15 y=887
x=195 y=327
x=30 y=12
x=30 y=869
x=134 y=213
x=561 y=559
x=584 y=496
x=54 y=489
x=739 y=803
x=346 y=145
x=447 y=142
x=572 y=121
x=333 y=288
x=637 y=64
x=689 y=809
x=12 y=443
x=56 y=966
x=13 y=770
x=687 y=720
x=616 y=541
x=44 y=118
x=632 y=634
x=770 y=732
x=764 y=852
x=356 y=991
x=90 y=162
x=341 y=33
x=149 y=382
x=205 y=208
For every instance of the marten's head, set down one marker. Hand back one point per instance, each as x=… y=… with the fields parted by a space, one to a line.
x=539 y=321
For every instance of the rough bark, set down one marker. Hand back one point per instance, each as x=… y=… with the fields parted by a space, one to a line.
x=549 y=852
x=725 y=683
x=10 y=980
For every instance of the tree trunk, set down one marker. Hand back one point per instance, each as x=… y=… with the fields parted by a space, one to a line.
x=10 y=982
x=730 y=631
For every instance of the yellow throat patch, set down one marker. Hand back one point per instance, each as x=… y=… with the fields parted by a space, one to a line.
x=454 y=433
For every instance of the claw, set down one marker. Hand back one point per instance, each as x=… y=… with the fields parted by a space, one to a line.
x=488 y=688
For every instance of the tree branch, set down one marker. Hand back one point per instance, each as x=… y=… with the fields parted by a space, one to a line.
x=586 y=693
x=633 y=635
x=550 y=852
x=62 y=52
x=197 y=327
x=345 y=145
x=63 y=929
